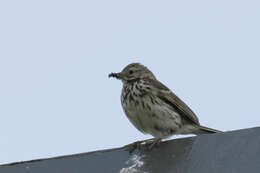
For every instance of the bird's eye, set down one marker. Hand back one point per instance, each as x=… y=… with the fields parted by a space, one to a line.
x=131 y=72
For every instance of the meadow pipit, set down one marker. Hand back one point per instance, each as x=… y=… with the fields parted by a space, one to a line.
x=152 y=108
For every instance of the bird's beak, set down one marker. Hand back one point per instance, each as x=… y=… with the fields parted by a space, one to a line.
x=116 y=75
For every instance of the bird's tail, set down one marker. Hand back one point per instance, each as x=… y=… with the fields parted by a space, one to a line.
x=205 y=130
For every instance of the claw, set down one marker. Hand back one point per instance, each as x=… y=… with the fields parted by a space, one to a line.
x=148 y=143
x=133 y=146
x=155 y=143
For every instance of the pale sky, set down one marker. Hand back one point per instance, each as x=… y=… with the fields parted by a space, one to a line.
x=55 y=56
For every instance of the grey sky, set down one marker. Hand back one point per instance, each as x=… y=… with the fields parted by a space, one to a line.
x=56 y=98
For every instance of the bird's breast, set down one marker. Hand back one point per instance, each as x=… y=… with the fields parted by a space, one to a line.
x=148 y=113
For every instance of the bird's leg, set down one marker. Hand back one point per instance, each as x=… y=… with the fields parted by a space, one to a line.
x=137 y=144
x=154 y=143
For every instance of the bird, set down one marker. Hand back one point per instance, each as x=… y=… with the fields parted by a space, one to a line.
x=153 y=108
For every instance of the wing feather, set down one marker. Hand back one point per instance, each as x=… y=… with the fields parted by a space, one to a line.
x=166 y=95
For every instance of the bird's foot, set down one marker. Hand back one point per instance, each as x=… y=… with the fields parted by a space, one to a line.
x=136 y=145
x=148 y=144
x=154 y=143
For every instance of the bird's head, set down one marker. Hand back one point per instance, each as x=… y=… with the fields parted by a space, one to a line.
x=133 y=72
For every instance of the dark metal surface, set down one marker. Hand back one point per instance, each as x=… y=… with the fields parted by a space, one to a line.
x=230 y=152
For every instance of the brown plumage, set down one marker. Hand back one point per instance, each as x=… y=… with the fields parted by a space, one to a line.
x=152 y=107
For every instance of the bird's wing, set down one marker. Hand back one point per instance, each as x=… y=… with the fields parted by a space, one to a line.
x=174 y=101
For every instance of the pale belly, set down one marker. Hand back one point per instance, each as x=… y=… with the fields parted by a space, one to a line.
x=159 y=120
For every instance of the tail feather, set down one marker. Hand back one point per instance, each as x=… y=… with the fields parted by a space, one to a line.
x=206 y=130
